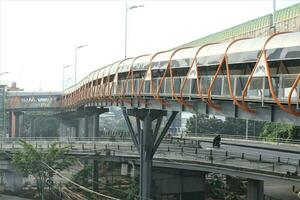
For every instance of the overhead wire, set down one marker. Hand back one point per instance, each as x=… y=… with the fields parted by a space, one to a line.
x=79 y=186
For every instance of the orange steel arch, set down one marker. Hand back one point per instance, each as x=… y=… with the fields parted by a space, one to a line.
x=235 y=101
x=130 y=75
x=149 y=68
x=291 y=92
x=117 y=73
x=209 y=101
x=101 y=85
x=157 y=97
x=94 y=90
x=91 y=90
x=181 y=100
x=88 y=87
x=277 y=101
x=98 y=91
x=108 y=82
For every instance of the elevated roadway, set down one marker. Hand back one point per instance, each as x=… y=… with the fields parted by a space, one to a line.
x=247 y=162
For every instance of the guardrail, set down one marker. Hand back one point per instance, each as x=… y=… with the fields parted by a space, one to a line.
x=242 y=137
x=263 y=163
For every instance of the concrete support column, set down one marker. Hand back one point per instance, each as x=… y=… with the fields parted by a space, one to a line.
x=96 y=125
x=17 y=123
x=32 y=127
x=10 y=123
x=96 y=175
x=77 y=128
x=86 y=126
x=255 y=190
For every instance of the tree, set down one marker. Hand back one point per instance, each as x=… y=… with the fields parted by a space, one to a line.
x=201 y=123
x=35 y=162
x=133 y=189
x=273 y=131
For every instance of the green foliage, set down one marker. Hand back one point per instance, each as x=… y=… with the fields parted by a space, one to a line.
x=32 y=161
x=133 y=189
x=216 y=187
x=82 y=177
x=273 y=131
x=201 y=123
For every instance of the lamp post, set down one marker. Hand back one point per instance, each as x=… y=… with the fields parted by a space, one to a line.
x=126 y=13
x=75 y=64
x=63 y=78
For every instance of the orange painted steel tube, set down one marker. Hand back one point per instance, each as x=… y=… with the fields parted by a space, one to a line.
x=157 y=97
x=139 y=95
x=235 y=101
x=197 y=75
x=277 y=101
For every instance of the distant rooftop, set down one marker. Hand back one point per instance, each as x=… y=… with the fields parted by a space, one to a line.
x=287 y=19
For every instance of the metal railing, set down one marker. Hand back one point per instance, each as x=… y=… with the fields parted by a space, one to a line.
x=178 y=154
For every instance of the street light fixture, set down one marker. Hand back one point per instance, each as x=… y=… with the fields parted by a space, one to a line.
x=126 y=13
x=75 y=64
x=63 y=78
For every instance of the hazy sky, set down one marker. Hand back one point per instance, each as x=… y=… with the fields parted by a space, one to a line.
x=38 y=37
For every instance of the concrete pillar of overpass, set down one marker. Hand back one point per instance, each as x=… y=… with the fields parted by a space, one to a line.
x=91 y=120
x=147 y=140
x=21 y=126
x=255 y=189
x=77 y=128
x=32 y=127
x=17 y=124
x=86 y=126
x=10 y=121
x=96 y=125
x=96 y=175
x=181 y=184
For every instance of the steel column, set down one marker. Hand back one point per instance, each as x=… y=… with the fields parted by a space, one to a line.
x=147 y=141
x=147 y=157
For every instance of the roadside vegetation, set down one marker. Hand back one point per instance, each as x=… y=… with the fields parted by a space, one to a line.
x=203 y=124
x=41 y=164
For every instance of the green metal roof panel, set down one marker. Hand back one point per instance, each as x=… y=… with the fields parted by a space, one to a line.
x=253 y=25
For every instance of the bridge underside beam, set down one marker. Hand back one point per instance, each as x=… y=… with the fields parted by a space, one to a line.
x=90 y=115
x=147 y=140
x=267 y=111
